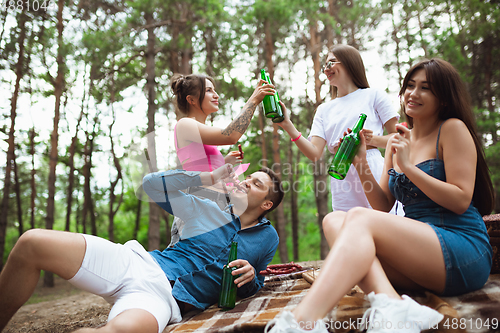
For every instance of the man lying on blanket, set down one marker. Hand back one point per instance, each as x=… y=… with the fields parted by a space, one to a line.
x=149 y=290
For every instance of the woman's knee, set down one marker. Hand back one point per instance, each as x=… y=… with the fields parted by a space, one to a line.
x=357 y=213
x=358 y=218
x=25 y=247
x=332 y=223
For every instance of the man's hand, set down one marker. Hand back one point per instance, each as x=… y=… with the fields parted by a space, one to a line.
x=245 y=269
x=223 y=173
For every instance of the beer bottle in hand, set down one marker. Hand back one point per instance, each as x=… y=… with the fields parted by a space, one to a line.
x=227 y=296
x=279 y=118
x=272 y=108
x=347 y=150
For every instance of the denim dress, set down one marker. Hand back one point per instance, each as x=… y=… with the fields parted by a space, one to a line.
x=463 y=237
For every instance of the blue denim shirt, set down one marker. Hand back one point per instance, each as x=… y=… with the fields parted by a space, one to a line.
x=195 y=263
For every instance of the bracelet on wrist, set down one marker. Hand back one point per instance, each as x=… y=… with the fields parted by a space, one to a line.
x=293 y=140
x=212 y=177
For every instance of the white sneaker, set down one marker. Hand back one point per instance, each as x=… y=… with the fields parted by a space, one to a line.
x=388 y=315
x=285 y=322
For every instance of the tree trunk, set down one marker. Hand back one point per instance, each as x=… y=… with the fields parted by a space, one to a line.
x=138 y=214
x=269 y=49
x=280 y=214
x=154 y=209
x=88 y=204
x=173 y=51
x=112 y=196
x=321 y=193
x=48 y=280
x=488 y=74
x=79 y=215
x=93 y=221
x=10 y=139
x=86 y=183
x=320 y=174
x=332 y=11
x=17 y=189
x=187 y=55
x=209 y=48
x=315 y=50
x=71 y=164
x=32 y=180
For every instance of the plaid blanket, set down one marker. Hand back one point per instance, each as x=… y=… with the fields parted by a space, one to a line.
x=475 y=312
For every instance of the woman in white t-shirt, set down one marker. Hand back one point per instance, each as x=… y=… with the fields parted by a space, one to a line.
x=351 y=96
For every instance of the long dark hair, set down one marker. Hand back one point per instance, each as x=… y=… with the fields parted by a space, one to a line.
x=185 y=85
x=445 y=83
x=353 y=63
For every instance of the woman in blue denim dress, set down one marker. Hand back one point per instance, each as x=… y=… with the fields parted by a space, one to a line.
x=438 y=171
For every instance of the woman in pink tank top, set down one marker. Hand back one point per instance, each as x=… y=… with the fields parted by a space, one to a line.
x=196 y=143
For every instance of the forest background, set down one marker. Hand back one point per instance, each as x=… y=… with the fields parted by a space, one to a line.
x=87 y=108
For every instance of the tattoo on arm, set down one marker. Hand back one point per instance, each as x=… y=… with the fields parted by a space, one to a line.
x=242 y=121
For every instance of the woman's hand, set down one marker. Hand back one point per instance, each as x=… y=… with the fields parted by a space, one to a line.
x=368 y=133
x=399 y=145
x=262 y=90
x=361 y=154
x=245 y=270
x=233 y=157
x=286 y=122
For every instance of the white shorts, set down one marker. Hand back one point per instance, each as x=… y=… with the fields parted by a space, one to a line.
x=348 y=193
x=128 y=277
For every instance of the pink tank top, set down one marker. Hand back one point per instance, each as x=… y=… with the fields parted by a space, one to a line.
x=199 y=157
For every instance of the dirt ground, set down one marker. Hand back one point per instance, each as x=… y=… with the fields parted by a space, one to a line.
x=58 y=310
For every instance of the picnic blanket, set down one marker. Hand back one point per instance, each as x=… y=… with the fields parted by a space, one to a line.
x=475 y=312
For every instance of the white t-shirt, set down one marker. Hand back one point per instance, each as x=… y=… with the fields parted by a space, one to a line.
x=334 y=117
x=331 y=121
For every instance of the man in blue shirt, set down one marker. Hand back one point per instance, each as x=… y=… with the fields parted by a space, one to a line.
x=149 y=290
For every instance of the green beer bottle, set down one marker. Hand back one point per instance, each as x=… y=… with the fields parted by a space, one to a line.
x=279 y=118
x=272 y=108
x=348 y=148
x=227 y=296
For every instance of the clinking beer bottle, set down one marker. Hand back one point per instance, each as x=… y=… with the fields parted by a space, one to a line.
x=227 y=296
x=347 y=150
x=279 y=118
x=272 y=108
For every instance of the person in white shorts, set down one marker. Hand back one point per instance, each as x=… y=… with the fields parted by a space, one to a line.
x=139 y=283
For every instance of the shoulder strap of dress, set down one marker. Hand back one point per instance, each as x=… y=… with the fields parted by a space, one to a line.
x=437 y=142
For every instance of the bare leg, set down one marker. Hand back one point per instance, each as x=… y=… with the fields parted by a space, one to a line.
x=366 y=236
x=56 y=251
x=130 y=321
x=332 y=224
